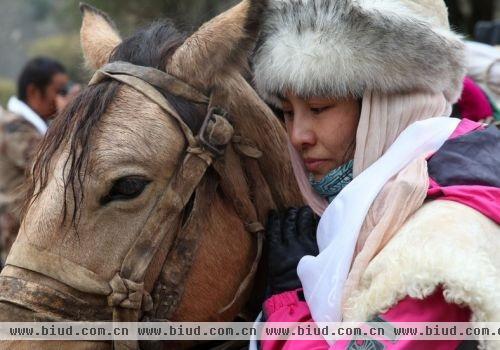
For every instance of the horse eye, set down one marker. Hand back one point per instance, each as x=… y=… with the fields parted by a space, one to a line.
x=125 y=188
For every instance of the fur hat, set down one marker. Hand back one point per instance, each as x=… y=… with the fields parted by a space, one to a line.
x=341 y=48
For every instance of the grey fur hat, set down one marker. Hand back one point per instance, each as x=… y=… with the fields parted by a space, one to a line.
x=340 y=48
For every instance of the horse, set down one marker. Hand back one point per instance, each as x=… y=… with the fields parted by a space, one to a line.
x=148 y=196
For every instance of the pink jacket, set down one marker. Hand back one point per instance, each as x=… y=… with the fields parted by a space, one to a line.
x=474 y=103
x=446 y=169
x=287 y=307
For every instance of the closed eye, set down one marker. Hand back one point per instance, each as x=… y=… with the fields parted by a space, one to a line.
x=320 y=109
x=125 y=188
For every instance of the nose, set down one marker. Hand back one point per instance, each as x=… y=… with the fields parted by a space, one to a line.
x=301 y=132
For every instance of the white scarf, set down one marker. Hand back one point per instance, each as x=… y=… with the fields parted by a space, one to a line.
x=17 y=106
x=323 y=277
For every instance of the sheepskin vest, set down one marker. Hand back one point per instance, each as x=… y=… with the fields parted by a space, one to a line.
x=445 y=244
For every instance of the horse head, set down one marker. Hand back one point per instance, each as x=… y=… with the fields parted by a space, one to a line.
x=112 y=171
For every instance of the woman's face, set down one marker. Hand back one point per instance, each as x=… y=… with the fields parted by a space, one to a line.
x=322 y=130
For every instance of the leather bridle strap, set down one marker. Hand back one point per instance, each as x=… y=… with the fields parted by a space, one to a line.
x=169 y=287
x=153 y=94
x=155 y=82
x=125 y=291
x=50 y=305
x=154 y=77
x=164 y=219
x=142 y=79
x=30 y=257
x=167 y=292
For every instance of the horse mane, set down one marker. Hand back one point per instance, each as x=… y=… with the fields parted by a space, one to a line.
x=151 y=46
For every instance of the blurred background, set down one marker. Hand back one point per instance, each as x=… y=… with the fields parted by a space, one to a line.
x=50 y=27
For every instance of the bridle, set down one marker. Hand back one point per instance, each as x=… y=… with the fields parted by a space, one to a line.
x=210 y=145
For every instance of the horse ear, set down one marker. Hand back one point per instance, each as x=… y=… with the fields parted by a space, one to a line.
x=98 y=36
x=223 y=42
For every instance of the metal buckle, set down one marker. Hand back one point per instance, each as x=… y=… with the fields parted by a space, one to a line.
x=217 y=150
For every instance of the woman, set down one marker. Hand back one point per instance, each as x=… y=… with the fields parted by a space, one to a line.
x=365 y=89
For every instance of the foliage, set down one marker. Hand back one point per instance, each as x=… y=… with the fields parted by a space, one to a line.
x=40 y=8
x=130 y=14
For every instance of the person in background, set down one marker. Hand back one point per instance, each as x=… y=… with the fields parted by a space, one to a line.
x=475 y=104
x=42 y=91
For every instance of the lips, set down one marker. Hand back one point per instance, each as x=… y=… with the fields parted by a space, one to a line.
x=313 y=165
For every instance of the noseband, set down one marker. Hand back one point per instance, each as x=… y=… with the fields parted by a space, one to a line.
x=164 y=238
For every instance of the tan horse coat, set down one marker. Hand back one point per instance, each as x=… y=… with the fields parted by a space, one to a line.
x=136 y=138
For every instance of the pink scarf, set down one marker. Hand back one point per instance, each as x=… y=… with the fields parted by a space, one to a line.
x=382 y=120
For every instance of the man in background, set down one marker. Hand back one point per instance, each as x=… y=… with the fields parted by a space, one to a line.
x=42 y=91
